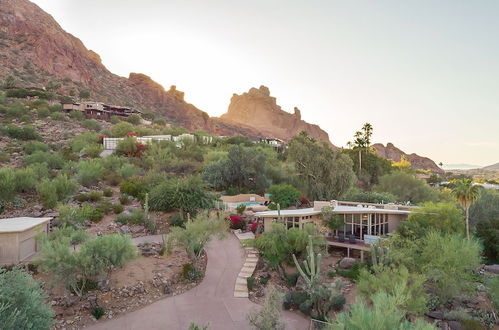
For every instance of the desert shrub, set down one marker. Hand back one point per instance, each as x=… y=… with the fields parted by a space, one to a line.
x=94 y=196
x=493 y=285
x=269 y=315
x=121 y=129
x=135 y=217
x=118 y=208
x=133 y=119
x=92 y=125
x=240 y=209
x=186 y=194
x=32 y=146
x=87 y=286
x=96 y=214
x=58 y=116
x=16 y=110
x=353 y=273
x=293 y=299
x=93 y=150
x=43 y=112
x=73 y=215
x=15 y=181
x=108 y=192
x=363 y=196
x=131 y=189
x=76 y=115
x=96 y=257
x=114 y=120
x=53 y=160
x=291 y=279
x=176 y=220
x=390 y=279
x=284 y=194
x=20 y=133
x=488 y=232
x=383 y=313
x=236 y=222
x=444 y=217
x=190 y=273
x=112 y=179
x=406 y=187
x=89 y=172
x=471 y=325
x=82 y=197
x=130 y=147
x=159 y=121
x=79 y=142
x=97 y=312
x=22 y=302
x=446 y=260
x=250 y=283
x=56 y=190
x=4 y=157
x=125 y=199
x=196 y=234
x=127 y=170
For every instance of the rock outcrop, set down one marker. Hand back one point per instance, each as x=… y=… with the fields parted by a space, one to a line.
x=37 y=52
x=259 y=111
x=418 y=162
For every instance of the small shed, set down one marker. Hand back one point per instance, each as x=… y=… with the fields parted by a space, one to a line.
x=17 y=238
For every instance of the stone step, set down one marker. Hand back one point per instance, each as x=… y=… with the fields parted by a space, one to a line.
x=241 y=287
x=241 y=294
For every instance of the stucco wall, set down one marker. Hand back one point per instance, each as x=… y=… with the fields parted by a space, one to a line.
x=9 y=249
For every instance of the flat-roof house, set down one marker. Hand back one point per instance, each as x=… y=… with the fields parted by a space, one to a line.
x=364 y=223
x=17 y=238
x=99 y=110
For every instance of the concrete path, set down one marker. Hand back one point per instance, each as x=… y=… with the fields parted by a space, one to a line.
x=211 y=302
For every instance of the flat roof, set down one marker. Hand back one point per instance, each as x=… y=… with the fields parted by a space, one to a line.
x=297 y=212
x=337 y=209
x=15 y=225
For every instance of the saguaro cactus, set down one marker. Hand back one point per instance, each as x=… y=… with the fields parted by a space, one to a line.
x=311 y=270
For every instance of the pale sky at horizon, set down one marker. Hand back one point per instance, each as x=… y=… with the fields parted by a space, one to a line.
x=424 y=73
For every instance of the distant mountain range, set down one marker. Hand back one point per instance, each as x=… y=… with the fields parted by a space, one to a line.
x=494 y=167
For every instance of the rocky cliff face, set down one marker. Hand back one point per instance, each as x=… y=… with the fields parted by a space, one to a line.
x=259 y=111
x=418 y=162
x=37 y=52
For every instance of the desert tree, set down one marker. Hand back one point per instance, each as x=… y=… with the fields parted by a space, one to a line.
x=466 y=194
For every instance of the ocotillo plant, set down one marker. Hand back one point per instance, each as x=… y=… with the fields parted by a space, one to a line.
x=312 y=265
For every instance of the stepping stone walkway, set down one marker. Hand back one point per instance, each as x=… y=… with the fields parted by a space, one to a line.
x=241 y=287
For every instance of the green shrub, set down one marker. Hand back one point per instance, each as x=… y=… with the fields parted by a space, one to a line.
x=131 y=189
x=331 y=274
x=89 y=172
x=190 y=273
x=353 y=273
x=57 y=190
x=133 y=119
x=493 y=285
x=96 y=214
x=136 y=217
x=72 y=215
x=291 y=279
x=118 y=208
x=76 y=115
x=125 y=199
x=250 y=283
x=97 y=312
x=93 y=150
x=284 y=194
x=121 y=129
x=92 y=124
x=471 y=325
x=43 y=112
x=176 y=220
x=94 y=196
x=112 y=179
x=128 y=170
x=22 y=302
x=4 y=157
x=81 y=141
x=58 y=116
x=240 y=209
x=108 y=192
x=53 y=160
x=293 y=299
x=106 y=207
x=264 y=280
x=20 y=133
x=87 y=285
x=82 y=197
x=32 y=146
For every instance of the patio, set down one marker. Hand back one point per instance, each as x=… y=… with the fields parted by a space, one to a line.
x=358 y=245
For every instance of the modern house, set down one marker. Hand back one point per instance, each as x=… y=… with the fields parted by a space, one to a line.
x=99 y=110
x=112 y=143
x=17 y=238
x=275 y=143
x=364 y=223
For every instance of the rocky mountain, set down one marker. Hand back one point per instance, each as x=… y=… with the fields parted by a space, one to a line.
x=37 y=52
x=418 y=162
x=259 y=111
x=494 y=167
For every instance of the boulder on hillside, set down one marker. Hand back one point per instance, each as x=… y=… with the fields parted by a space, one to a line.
x=347 y=263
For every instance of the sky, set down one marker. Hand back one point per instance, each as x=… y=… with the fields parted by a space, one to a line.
x=424 y=73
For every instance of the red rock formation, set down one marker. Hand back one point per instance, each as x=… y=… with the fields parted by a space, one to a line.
x=418 y=162
x=258 y=110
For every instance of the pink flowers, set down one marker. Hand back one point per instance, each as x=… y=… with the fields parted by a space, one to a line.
x=236 y=222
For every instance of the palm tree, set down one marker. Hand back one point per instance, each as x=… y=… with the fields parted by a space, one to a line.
x=362 y=141
x=465 y=194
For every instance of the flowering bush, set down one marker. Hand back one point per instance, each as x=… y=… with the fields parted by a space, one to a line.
x=304 y=201
x=236 y=222
x=131 y=134
x=253 y=226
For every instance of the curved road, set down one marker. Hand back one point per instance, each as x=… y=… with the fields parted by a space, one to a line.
x=212 y=301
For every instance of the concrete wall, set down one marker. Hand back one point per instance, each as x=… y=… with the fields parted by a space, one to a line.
x=15 y=247
x=394 y=221
x=9 y=249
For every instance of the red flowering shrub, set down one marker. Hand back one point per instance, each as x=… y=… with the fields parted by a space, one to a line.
x=253 y=226
x=304 y=201
x=236 y=222
x=131 y=134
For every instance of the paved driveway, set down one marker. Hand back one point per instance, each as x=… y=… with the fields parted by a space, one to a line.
x=211 y=301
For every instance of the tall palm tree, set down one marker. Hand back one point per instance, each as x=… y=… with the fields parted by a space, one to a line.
x=465 y=194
